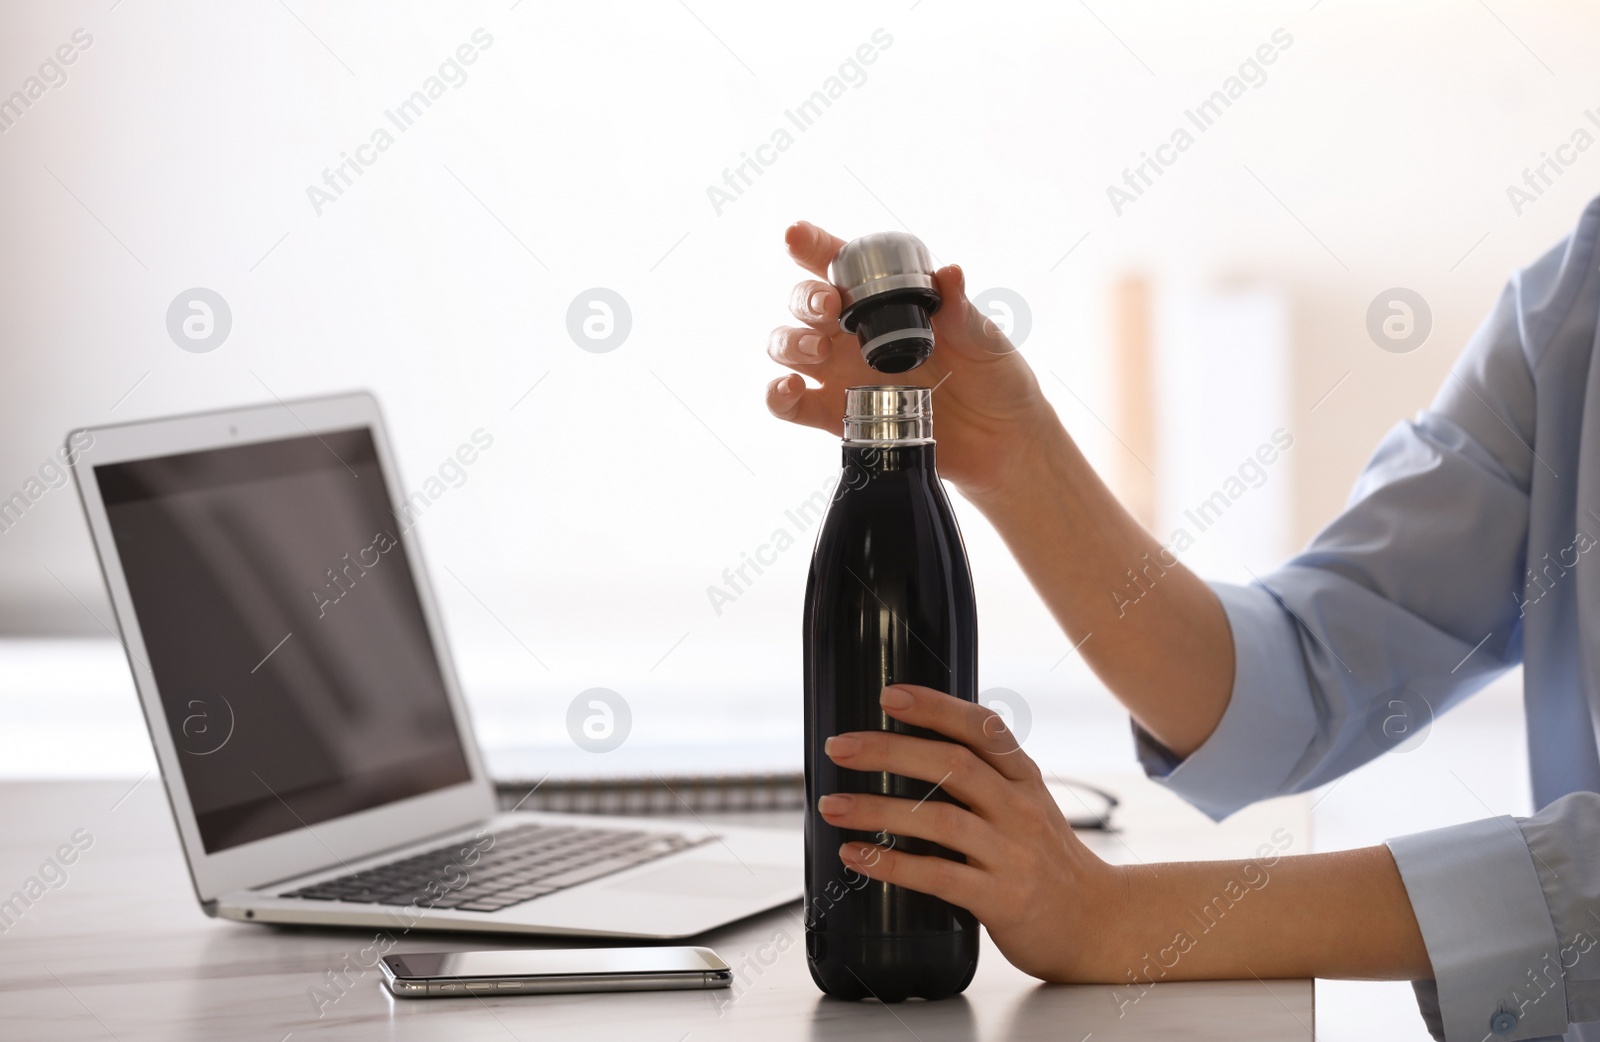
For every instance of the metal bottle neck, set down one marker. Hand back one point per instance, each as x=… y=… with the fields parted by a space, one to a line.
x=888 y=416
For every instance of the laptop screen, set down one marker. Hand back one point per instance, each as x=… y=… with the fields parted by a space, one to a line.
x=284 y=631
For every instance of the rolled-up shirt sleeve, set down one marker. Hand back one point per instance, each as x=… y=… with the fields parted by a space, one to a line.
x=1262 y=735
x=1510 y=910
x=1407 y=603
x=1481 y=906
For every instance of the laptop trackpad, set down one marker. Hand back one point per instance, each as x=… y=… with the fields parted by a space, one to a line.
x=721 y=879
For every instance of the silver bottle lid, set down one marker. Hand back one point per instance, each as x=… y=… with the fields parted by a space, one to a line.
x=878 y=263
x=888 y=415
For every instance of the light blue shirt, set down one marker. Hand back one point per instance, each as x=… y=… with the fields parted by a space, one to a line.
x=1470 y=543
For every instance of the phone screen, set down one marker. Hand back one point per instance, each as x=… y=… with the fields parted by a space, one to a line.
x=571 y=962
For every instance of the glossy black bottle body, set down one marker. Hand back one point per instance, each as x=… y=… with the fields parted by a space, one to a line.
x=889 y=600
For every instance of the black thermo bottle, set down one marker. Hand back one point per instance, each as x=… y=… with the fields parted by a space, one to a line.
x=889 y=600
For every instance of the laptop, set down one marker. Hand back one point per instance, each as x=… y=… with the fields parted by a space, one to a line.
x=311 y=733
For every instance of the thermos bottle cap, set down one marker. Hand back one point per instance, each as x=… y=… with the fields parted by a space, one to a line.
x=888 y=297
x=879 y=263
x=888 y=414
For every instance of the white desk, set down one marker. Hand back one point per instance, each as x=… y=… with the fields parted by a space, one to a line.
x=121 y=951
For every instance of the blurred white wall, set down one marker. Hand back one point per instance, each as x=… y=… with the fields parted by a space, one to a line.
x=1373 y=152
x=1226 y=427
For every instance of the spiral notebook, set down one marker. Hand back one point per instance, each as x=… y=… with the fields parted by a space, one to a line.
x=1086 y=806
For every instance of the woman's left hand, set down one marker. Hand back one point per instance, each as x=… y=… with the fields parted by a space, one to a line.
x=1049 y=903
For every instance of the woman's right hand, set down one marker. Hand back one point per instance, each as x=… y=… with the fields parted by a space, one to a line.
x=989 y=408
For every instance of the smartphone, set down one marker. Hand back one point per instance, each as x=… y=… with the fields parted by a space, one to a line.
x=418 y=975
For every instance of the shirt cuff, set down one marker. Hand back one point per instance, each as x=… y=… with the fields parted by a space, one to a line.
x=1269 y=722
x=1488 y=931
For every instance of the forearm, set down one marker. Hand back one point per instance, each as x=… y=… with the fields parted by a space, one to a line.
x=1150 y=629
x=1342 y=915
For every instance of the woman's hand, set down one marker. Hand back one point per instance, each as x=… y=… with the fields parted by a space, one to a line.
x=989 y=407
x=1047 y=901
x=1060 y=913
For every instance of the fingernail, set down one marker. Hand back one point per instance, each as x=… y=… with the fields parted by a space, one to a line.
x=852 y=852
x=819 y=300
x=786 y=388
x=842 y=745
x=811 y=345
x=835 y=804
x=895 y=698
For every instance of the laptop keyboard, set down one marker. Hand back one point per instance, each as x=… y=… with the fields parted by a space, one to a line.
x=512 y=866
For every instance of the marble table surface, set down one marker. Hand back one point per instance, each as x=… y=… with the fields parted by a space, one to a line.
x=118 y=949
